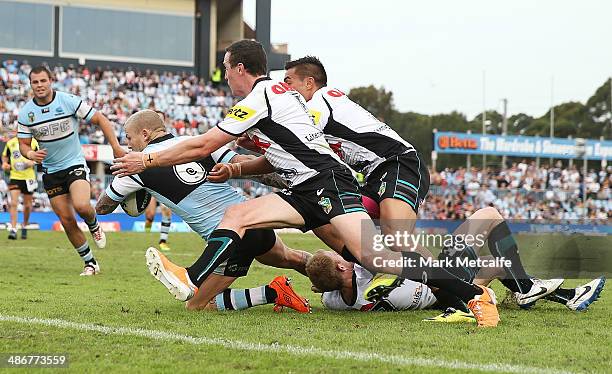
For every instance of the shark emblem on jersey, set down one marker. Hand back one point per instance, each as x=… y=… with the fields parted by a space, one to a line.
x=325 y=203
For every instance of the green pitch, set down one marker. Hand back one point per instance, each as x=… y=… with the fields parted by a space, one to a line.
x=124 y=320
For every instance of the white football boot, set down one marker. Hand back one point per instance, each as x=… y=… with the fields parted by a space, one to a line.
x=586 y=294
x=539 y=289
x=99 y=237
x=90 y=269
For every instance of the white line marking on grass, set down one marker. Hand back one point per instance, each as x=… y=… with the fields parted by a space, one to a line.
x=278 y=348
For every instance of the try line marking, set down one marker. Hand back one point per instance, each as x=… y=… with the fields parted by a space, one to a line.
x=279 y=348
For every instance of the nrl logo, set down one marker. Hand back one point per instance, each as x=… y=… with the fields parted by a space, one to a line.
x=325 y=204
x=31 y=116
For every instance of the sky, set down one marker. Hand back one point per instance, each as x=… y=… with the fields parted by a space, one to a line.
x=433 y=55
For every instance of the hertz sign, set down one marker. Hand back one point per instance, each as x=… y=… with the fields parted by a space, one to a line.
x=521 y=146
x=455 y=142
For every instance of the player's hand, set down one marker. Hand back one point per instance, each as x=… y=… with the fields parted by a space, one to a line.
x=37 y=156
x=6 y=166
x=129 y=164
x=315 y=289
x=220 y=173
x=119 y=152
x=246 y=143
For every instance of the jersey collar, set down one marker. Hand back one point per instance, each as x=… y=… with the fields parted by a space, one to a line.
x=260 y=80
x=354 y=296
x=37 y=104
x=161 y=139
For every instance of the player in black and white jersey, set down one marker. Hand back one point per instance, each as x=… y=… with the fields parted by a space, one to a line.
x=395 y=176
x=321 y=189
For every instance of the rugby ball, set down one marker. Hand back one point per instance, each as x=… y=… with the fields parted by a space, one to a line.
x=136 y=203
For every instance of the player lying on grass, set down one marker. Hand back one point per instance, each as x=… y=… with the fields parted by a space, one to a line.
x=185 y=190
x=350 y=286
x=322 y=189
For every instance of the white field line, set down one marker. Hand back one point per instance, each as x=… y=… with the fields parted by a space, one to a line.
x=278 y=348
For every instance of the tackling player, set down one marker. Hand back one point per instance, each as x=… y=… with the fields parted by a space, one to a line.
x=321 y=189
x=22 y=182
x=52 y=118
x=185 y=190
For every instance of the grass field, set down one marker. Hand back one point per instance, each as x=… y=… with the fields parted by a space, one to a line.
x=123 y=320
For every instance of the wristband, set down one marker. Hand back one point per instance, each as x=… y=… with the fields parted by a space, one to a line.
x=235 y=170
x=149 y=160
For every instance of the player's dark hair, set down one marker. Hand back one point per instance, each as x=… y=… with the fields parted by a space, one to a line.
x=249 y=53
x=39 y=69
x=309 y=66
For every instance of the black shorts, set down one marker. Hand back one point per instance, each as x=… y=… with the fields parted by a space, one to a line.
x=404 y=177
x=19 y=184
x=58 y=183
x=319 y=199
x=255 y=243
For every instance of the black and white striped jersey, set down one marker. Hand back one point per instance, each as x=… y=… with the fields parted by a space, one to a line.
x=275 y=117
x=359 y=138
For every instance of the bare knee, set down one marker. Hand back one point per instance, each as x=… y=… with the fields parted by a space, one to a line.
x=83 y=208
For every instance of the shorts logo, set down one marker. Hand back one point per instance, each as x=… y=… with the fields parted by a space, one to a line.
x=232 y=267
x=31 y=116
x=190 y=173
x=240 y=113
x=319 y=192
x=77 y=172
x=325 y=203
x=382 y=189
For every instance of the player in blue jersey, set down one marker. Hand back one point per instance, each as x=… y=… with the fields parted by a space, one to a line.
x=201 y=204
x=52 y=118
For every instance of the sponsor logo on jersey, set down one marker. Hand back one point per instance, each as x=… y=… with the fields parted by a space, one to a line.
x=335 y=93
x=325 y=203
x=59 y=111
x=316 y=116
x=31 y=116
x=240 y=113
x=45 y=110
x=52 y=128
x=311 y=137
x=281 y=88
x=16 y=154
x=264 y=145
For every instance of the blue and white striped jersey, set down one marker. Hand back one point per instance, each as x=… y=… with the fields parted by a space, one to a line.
x=56 y=128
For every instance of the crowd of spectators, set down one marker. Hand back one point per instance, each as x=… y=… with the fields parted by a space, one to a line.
x=521 y=192
x=192 y=106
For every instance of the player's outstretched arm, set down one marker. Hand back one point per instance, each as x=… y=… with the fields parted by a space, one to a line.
x=105 y=204
x=193 y=149
x=252 y=166
x=109 y=133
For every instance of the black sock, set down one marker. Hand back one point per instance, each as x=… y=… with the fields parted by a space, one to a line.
x=93 y=225
x=221 y=244
x=271 y=294
x=502 y=244
x=437 y=277
x=561 y=295
x=348 y=256
x=447 y=299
